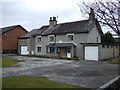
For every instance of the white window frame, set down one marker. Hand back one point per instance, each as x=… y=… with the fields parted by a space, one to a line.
x=37 y=48
x=38 y=37
x=51 y=36
x=69 y=35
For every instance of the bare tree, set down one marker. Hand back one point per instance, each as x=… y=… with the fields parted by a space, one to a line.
x=107 y=13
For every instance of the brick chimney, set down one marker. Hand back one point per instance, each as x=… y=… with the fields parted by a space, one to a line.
x=52 y=22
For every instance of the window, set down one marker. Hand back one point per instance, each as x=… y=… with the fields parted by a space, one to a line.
x=96 y=39
x=38 y=39
x=39 y=48
x=50 y=50
x=70 y=37
x=58 y=50
x=51 y=38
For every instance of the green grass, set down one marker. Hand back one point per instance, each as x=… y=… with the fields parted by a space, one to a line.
x=7 y=62
x=115 y=60
x=33 y=82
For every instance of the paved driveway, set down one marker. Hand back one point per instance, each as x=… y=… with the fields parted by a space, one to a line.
x=89 y=74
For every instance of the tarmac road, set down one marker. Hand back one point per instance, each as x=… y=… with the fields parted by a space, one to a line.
x=84 y=73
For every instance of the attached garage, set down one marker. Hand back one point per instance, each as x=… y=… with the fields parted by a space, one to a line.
x=91 y=53
x=23 y=50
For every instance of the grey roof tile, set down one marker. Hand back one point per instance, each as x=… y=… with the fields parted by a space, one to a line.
x=83 y=26
x=29 y=34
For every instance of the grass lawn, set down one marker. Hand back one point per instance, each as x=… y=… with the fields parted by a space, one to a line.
x=7 y=62
x=33 y=82
x=115 y=60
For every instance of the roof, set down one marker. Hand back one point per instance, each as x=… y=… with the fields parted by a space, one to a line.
x=34 y=32
x=9 y=28
x=61 y=45
x=98 y=27
x=29 y=34
x=76 y=27
x=70 y=27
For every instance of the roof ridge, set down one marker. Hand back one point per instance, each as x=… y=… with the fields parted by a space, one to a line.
x=73 y=22
x=66 y=22
x=10 y=26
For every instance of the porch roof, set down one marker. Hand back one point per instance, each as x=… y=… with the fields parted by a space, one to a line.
x=61 y=45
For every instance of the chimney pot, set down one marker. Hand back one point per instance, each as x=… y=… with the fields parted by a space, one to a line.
x=52 y=22
x=50 y=18
x=54 y=18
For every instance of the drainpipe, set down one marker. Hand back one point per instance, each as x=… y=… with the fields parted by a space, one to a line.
x=55 y=40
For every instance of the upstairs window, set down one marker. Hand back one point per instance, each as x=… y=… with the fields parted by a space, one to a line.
x=70 y=37
x=39 y=39
x=51 y=38
x=96 y=39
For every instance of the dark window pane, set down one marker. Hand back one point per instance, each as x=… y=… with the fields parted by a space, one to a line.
x=51 y=38
x=38 y=49
x=70 y=37
x=39 y=39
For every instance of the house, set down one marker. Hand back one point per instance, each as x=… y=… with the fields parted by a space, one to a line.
x=65 y=40
x=9 y=38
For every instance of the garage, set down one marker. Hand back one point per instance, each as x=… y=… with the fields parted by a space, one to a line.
x=91 y=53
x=23 y=50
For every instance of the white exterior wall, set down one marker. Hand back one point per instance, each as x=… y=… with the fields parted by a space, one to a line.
x=43 y=44
x=93 y=35
x=78 y=38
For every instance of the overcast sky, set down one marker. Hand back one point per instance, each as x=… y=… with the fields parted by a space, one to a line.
x=33 y=14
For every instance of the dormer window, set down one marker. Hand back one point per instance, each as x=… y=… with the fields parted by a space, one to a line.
x=51 y=38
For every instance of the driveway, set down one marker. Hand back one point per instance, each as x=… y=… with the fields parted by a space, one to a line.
x=84 y=73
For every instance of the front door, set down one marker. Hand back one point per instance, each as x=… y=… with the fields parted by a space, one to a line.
x=63 y=52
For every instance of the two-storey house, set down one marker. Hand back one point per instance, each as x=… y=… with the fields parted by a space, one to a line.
x=61 y=40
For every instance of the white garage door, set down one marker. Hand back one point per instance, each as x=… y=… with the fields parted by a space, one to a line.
x=23 y=50
x=91 y=53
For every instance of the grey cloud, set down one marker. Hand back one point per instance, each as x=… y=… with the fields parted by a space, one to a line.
x=18 y=13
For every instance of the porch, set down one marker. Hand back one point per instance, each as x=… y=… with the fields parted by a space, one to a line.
x=63 y=50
